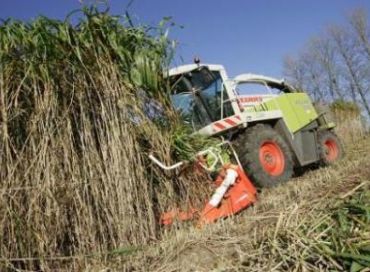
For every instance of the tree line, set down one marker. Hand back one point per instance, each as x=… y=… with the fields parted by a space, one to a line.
x=335 y=64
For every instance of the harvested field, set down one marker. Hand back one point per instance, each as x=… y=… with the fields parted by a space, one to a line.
x=317 y=222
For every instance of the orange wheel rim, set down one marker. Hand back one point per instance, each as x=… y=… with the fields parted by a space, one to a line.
x=272 y=158
x=331 y=150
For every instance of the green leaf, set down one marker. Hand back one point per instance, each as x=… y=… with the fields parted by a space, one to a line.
x=355 y=267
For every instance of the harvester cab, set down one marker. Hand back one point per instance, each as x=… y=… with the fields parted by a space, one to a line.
x=200 y=96
x=209 y=101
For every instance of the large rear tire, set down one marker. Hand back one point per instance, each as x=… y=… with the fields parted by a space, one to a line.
x=265 y=156
x=330 y=147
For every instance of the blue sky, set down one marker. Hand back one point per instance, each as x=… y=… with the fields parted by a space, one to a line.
x=244 y=35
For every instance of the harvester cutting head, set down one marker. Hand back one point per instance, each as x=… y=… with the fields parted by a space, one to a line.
x=234 y=191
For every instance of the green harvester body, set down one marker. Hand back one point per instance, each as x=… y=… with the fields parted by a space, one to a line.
x=291 y=131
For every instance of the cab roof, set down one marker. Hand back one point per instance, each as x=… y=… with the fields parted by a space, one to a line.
x=253 y=78
x=190 y=67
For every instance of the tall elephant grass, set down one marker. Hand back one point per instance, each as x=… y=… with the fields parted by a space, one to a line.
x=81 y=106
x=351 y=125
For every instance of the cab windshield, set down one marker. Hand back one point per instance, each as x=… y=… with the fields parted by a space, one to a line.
x=198 y=97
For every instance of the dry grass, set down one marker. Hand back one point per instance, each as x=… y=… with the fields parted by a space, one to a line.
x=77 y=121
x=350 y=125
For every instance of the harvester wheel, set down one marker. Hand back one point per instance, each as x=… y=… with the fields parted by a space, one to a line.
x=330 y=147
x=265 y=156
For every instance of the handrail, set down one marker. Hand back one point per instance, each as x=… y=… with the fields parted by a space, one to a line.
x=165 y=167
